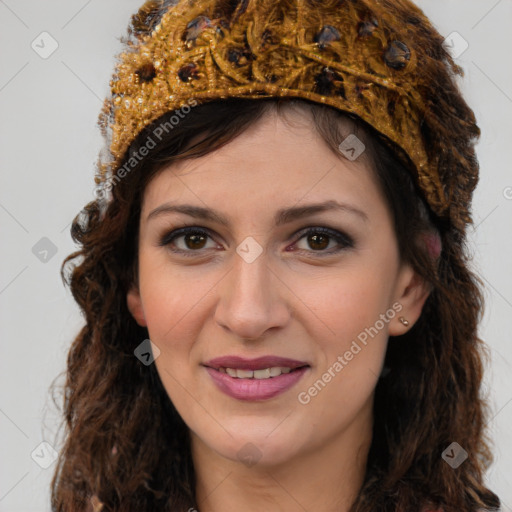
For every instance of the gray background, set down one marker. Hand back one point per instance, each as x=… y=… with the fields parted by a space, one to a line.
x=48 y=147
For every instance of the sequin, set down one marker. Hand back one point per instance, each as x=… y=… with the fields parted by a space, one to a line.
x=146 y=72
x=268 y=39
x=328 y=81
x=367 y=28
x=188 y=72
x=146 y=20
x=238 y=56
x=196 y=26
x=397 y=55
x=327 y=35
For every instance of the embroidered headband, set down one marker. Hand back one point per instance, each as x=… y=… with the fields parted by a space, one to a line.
x=378 y=59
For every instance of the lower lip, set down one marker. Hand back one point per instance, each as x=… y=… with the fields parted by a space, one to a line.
x=255 y=389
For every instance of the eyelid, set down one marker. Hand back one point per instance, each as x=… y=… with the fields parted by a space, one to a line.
x=341 y=236
x=169 y=236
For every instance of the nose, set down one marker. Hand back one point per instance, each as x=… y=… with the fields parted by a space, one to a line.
x=252 y=299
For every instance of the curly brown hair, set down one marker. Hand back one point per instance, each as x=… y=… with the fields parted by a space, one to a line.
x=127 y=447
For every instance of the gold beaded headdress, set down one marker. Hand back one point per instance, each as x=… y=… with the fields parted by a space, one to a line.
x=378 y=59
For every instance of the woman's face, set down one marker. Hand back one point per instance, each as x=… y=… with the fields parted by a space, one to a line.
x=303 y=318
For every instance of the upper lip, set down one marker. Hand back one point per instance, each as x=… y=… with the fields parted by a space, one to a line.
x=259 y=363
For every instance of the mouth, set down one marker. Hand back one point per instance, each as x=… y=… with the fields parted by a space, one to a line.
x=255 y=379
x=264 y=373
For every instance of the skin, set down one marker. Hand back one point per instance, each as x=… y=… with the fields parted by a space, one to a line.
x=290 y=301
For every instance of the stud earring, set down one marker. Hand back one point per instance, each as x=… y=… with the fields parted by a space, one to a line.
x=404 y=321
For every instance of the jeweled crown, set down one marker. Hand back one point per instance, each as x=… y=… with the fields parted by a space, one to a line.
x=378 y=59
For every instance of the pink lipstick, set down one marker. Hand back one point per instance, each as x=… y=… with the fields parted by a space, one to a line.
x=255 y=379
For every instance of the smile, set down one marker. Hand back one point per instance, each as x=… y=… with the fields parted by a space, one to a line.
x=266 y=373
x=256 y=379
x=254 y=388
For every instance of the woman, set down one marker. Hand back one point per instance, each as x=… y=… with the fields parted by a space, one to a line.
x=279 y=310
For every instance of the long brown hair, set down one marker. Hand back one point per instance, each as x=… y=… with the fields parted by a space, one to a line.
x=125 y=442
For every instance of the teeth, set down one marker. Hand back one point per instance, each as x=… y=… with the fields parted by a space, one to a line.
x=262 y=374
x=231 y=372
x=265 y=373
x=274 y=372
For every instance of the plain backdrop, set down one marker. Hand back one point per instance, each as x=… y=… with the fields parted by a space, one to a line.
x=49 y=144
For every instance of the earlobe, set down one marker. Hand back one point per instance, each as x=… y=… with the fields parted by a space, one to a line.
x=412 y=292
x=134 y=303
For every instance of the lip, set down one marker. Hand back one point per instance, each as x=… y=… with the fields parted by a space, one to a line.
x=255 y=389
x=258 y=363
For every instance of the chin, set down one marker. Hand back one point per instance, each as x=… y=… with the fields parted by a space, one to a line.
x=256 y=447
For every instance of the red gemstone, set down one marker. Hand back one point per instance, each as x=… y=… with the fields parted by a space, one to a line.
x=146 y=72
x=329 y=82
x=188 y=72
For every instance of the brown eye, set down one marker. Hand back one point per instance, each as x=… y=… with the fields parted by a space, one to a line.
x=318 y=240
x=190 y=240
x=194 y=241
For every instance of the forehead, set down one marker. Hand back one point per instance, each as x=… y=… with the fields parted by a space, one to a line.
x=279 y=160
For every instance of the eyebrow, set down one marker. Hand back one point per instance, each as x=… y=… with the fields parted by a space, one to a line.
x=283 y=216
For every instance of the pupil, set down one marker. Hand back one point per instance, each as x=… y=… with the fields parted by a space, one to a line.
x=315 y=239
x=195 y=241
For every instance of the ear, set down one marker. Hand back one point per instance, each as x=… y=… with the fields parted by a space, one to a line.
x=411 y=293
x=134 y=303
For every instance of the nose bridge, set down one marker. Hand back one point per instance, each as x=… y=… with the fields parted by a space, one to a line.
x=250 y=299
x=252 y=277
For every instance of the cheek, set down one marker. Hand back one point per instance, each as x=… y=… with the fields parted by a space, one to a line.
x=346 y=303
x=174 y=311
x=352 y=311
x=171 y=298
x=350 y=358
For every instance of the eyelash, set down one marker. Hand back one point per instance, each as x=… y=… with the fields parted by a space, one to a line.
x=345 y=241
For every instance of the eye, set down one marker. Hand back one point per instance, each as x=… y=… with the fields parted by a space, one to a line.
x=320 y=238
x=193 y=240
